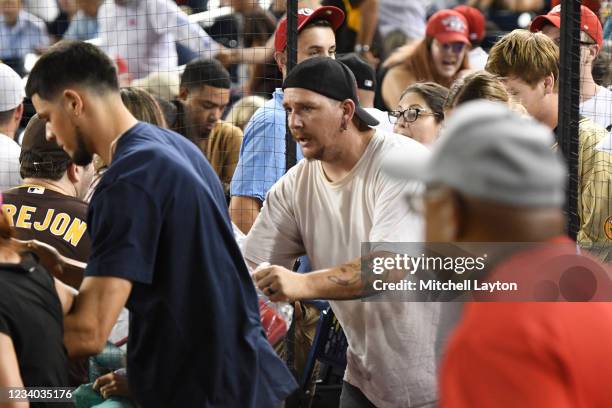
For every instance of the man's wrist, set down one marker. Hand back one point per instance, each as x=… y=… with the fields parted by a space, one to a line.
x=306 y=286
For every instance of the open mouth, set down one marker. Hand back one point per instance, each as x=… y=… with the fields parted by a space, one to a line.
x=301 y=139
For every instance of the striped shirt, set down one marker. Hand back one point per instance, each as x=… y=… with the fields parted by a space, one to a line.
x=595 y=190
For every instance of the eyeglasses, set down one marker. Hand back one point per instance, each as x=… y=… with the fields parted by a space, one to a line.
x=455 y=47
x=409 y=115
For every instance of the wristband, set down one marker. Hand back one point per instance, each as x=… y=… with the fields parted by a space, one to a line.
x=361 y=48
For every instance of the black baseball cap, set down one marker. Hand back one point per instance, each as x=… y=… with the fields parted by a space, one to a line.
x=38 y=155
x=364 y=73
x=328 y=77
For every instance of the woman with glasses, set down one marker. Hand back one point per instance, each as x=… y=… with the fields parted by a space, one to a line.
x=439 y=58
x=420 y=112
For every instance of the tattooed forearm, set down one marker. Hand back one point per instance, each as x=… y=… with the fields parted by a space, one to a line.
x=347 y=274
x=344 y=282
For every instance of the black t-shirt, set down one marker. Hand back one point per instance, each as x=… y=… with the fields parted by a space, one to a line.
x=31 y=315
x=53 y=218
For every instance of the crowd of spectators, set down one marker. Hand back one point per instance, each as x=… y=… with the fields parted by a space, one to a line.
x=150 y=209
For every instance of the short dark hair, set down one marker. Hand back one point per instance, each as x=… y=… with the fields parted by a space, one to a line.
x=33 y=165
x=39 y=157
x=72 y=63
x=434 y=95
x=6 y=116
x=205 y=71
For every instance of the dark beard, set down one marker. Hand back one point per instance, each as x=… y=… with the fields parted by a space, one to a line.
x=81 y=156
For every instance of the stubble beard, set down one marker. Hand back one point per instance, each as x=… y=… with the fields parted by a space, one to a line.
x=81 y=156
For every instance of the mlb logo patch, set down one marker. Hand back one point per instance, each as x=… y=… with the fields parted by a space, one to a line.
x=36 y=190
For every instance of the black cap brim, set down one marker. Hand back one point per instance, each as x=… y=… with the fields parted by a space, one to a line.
x=366 y=117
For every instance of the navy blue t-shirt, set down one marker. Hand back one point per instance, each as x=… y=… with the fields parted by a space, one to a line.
x=159 y=219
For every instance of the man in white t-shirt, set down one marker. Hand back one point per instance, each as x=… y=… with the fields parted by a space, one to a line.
x=145 y=33
x=325 y=207
x=12 y=92
x=595 y=100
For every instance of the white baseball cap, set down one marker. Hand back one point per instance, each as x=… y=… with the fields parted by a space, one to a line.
x=12 y=90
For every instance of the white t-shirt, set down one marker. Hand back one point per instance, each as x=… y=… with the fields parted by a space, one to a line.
x=9 y=163
x=145 y=32
x=391 y=355
x=599 y=107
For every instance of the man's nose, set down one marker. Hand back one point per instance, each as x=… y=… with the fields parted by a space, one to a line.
x=215 y=114
x=294 y=121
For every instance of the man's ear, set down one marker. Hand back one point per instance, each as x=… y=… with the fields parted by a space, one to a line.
x=593 y=51
x=183 y=93
x=18 y=113
x=73 y=102
x=348 y=111
x=549 y=84
x=281 y=61
x=450 y=216
x=73 y=173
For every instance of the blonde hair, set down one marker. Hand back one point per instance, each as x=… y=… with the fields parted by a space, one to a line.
x=527 y=56
x=241 y=112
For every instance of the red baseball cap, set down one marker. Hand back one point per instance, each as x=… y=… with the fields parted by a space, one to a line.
x=448 y=26
x=334 y=15
x=589 y=22
x=594 y=5
x=476 y=21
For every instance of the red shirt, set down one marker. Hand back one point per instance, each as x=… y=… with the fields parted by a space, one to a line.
x=529 y=355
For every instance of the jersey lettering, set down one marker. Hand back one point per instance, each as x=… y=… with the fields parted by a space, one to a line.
x=61 y=224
